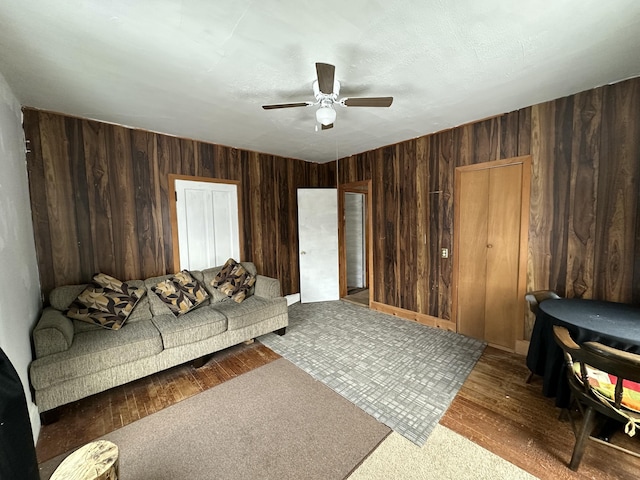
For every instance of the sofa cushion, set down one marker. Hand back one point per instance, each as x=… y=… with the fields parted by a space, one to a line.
x=97 y=350
x=104 y=306
x=253 y=310
x=191 y=327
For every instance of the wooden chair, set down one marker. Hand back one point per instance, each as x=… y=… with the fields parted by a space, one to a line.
x=589 y=371
x=533 y=299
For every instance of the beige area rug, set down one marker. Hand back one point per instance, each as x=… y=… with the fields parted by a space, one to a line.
x=274 y=422
x=445 y=455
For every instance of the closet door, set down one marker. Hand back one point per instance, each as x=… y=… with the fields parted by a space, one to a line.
x=207 y=218
x=488 y=251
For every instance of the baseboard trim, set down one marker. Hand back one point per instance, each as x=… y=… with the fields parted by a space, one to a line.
x=522 y=347
x=34 y=416
x=421 y=318
x=292 y=298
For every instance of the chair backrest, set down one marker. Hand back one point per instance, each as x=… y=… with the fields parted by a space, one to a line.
x=534 y=298
x=597 y=360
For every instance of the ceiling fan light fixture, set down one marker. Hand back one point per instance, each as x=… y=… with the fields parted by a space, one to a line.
x=326 y=115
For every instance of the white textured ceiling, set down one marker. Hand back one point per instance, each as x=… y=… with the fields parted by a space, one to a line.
x=202 y=69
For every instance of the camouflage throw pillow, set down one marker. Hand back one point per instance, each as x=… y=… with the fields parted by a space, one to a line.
x=171 y=294
x=190 y=287
x=234 y=281
x=103 y=306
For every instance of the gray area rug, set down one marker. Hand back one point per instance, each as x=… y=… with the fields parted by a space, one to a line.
x=274 y=422
x=402 y=373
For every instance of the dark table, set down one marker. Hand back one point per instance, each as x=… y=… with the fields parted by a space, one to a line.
x=614 y=324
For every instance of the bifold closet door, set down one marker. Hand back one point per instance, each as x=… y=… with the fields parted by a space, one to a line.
x=489 y=253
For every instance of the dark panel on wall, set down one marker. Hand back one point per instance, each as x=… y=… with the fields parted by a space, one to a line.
x=584 y=233
x=617 y=230
x=100 y=199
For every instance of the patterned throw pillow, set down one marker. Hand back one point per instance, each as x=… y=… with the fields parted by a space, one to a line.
x=175 y=298
x=116 y=285
x=243 y=291
x=604 y=384
x=222 y=275
x=105 y=306
x=234 y=281
x=190 y=287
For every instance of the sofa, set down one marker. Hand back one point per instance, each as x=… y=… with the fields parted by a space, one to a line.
x=75 y=359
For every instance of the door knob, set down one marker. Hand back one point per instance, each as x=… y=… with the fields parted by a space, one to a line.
x=303 y=252
x=489 y=246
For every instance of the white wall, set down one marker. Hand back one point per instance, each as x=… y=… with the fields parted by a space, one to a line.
x=19 y=281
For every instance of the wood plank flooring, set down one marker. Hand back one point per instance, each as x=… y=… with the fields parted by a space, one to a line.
x=495 y=408
x=499 y=411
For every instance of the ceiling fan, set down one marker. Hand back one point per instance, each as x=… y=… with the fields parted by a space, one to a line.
x=326 y=90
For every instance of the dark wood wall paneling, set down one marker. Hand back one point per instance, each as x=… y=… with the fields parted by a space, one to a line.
x=100 y=202
x=100 y=199
x=584 y=234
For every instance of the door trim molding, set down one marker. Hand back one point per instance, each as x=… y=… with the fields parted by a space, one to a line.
x=525 y=161
x=173 y=212
x=364 y=187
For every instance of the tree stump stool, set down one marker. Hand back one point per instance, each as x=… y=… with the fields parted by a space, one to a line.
x=95 y=461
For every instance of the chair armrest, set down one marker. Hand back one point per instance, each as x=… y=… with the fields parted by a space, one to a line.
x=53 y=333
x=267 y=287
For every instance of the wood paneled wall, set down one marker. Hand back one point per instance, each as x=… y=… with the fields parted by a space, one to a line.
x=99 y=197
x=584 y=234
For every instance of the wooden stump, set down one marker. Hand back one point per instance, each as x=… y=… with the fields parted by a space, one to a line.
x=95 y=461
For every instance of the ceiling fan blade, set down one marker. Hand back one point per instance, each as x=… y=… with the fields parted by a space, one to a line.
x=327 y=127
x=287 y=105
x=368 y=102
x=326 y=74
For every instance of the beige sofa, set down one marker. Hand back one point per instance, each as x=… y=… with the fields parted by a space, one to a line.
x=75 y=359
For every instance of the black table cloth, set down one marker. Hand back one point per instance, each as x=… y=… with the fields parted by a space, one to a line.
x=614 y=324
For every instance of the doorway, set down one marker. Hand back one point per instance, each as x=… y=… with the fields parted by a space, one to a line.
x=490 y=250
x=355 y=242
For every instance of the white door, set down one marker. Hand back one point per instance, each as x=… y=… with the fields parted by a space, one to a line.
x=318 y=243
x=207 y=215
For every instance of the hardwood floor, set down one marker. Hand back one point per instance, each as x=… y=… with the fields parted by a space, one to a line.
x=499 y=411
x=359 y=296
x=495 y=408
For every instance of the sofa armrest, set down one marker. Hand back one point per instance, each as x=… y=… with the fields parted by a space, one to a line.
x=53 y=333
x=267 y=287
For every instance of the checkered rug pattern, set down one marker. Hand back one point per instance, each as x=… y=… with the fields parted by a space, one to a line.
x=402 y=373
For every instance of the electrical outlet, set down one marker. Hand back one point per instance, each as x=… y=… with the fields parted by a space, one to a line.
x=444 y=252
